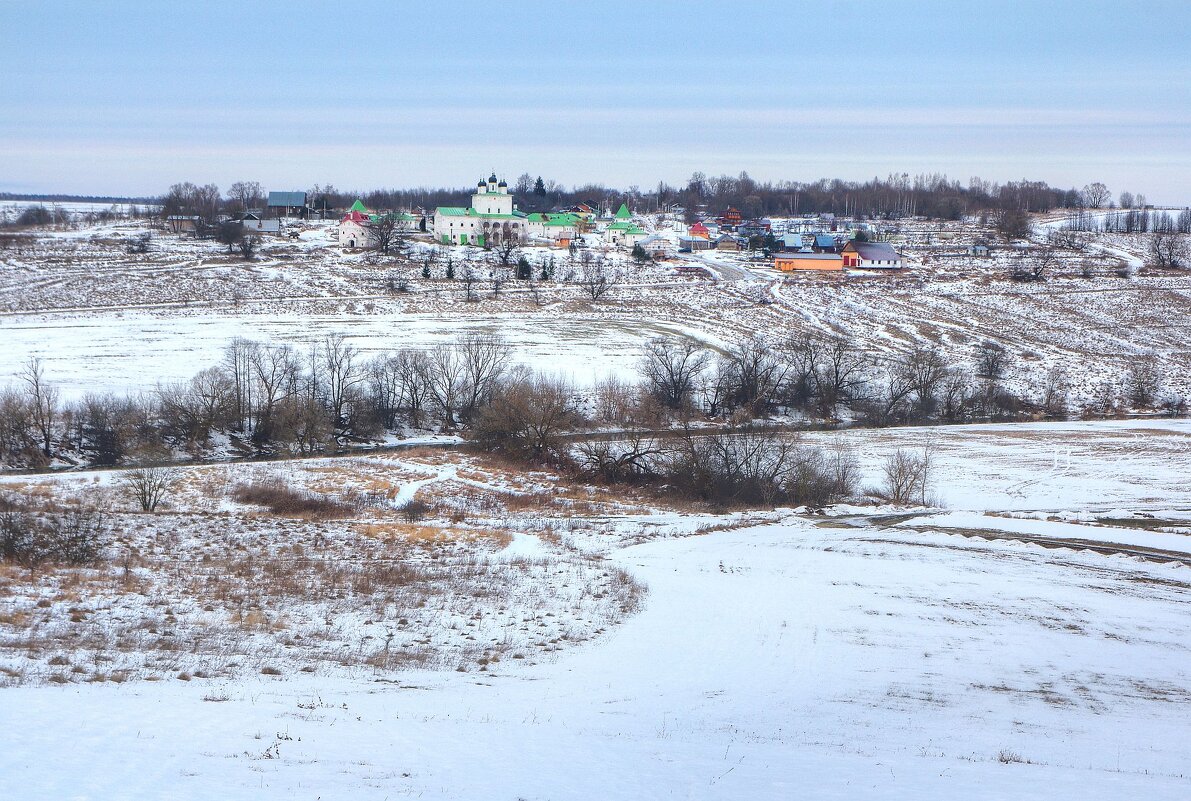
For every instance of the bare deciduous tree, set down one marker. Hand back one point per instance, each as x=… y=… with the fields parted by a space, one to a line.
x=671 y=368
x=594 y=277
x=43 y=403
x=1095 y=195
x=248 y=245
x=246 y=194
x=907 y=476
x=147 y=486
x=991 y=360
x=1143 y=382
x=1168 y=249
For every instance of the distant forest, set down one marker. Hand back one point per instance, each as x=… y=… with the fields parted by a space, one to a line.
x=898 y=195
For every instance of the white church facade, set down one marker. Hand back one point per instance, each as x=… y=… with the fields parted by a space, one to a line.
x=490 y=220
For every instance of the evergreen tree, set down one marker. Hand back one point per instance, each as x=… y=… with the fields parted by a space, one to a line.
x=524 y=270
x=639 y=253
x=425 y=270
x=539 y=186
x=450 y=269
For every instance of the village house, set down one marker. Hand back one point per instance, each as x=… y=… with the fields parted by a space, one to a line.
x=789 y=242
x=658 y=247
x=183 y=223
x=731 y=218
x=491 y=218
x=824 y=243
x=557 y=228
x=729 y=242
x=689 y=244
x=871 y=255
x=288 y=204
x=699 y=230
x=254 y=223
x=753 y=228
x=798 y=262
x=624 y=233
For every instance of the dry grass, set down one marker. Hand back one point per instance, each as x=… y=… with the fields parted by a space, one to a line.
x=285 y=501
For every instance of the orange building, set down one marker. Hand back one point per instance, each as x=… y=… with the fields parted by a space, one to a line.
x=794 y=262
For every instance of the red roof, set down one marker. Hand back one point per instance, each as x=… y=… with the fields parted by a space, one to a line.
x=355 y=216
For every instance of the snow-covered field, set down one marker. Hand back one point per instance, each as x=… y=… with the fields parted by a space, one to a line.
x=855 y=655
x=131 y=352
x=77 y=298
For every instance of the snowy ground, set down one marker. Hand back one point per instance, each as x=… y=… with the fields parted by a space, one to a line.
x=95 y=352
x=77 y=298
x=855 y=655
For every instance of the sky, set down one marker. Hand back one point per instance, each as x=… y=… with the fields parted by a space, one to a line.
x=126 y=98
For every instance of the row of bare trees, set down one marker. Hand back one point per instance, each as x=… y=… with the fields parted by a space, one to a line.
x=821 y=376
x=271 y=397
x=278 y=398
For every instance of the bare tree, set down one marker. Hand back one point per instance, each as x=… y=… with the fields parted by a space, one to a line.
x=1168 y=249
x=469 y=277
x=246 y=194
x=991 y=360
x=343 y=372
x=147 y=486
x=229 y=233
x=248 y=245
x=755 y=374
x=1055 y=392
x=527 y=418
x=484 y=359
x=672 y=367
x=386 y=235
x=507 y=250
x=43 y=403
x=907 y=476
x=447 y=374
x=274 y=373
x=1034 y=265
x=1095 y=195
x=925 y=370
x=1143 y=381
x=594 y=277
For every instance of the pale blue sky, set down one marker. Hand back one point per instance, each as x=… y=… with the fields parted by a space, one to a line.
x=127 y=98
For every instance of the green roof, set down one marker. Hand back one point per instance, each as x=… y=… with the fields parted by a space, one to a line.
x=632 y=229
x=359 y=206
x=621 y=225
x=459 y=211
x=623 y=212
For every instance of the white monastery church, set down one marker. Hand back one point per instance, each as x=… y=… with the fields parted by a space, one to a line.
x=490 y=220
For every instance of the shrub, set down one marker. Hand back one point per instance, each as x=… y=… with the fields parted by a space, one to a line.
x=281 y=499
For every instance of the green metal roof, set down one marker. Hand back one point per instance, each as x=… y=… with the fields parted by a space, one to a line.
x=359 y=206
x=623 y=212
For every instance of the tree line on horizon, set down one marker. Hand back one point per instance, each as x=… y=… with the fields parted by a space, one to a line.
x=898 y=195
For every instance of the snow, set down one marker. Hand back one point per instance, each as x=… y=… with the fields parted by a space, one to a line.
x=791 y=658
